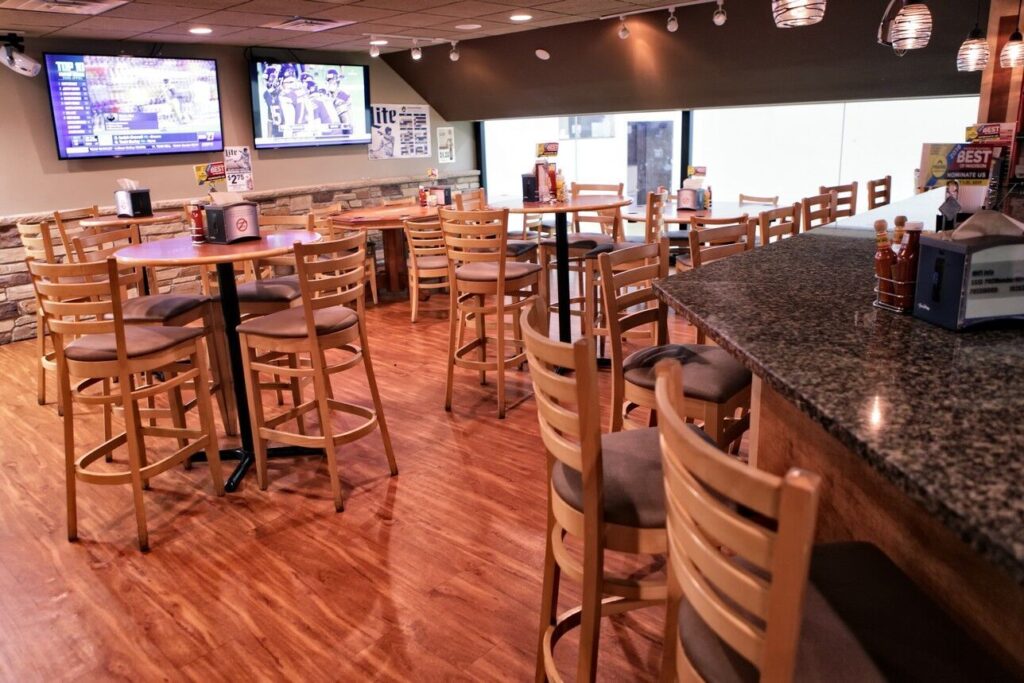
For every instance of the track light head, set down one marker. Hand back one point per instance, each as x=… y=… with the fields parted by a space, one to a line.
x=416 y=52
x=623 y=29
x=454 y=53
x=673 y=24
x=374 y=51
x=719 y=17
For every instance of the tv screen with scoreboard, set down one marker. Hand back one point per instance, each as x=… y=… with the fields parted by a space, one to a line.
x=309 y=105
x=106 y=106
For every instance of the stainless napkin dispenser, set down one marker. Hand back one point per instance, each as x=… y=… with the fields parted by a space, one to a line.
x=133 y=203
x=970 y=281
x=229 y=223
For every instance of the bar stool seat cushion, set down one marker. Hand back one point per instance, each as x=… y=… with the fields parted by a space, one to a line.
x=282 y=289
x=488 y=272
x=160 y=307
x=517 y=248
x=827 y=651
x=634 y=488
x=139 y=341
x=433 y=262
x=610 y=247
x=291 y=322
x=678 y=235
x=709 y=372
x=581 y=240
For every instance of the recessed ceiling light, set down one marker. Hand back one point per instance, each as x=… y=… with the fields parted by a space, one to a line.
x=468 y=27
x=520 y=17
x=378 y=41
x=200 y=30
x=542 y=54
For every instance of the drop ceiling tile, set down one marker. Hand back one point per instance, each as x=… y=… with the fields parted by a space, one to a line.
x=307 y=40
x=163 y=37
x=589 y=8
x=353 y=13
x=137 y=10
x=537 y=14
x=94 y=33
x=403 y=5
x=289 y=8
x=255 y=36
x=243 y=19
x=13 y=16
x=131 y=26
x=199 y=4
x=361 y=28
x=182 y=29
x=467 y=8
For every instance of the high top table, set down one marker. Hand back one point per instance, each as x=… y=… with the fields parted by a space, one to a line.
x=122 y=222
x=675 y=216
x=562 y=210
x=179 y=251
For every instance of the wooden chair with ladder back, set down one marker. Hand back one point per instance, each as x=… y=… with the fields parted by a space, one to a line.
x=778 y=224
x=330 y=318
x=753 y=199
x=751 y=598
x=817 y=211
x=68 y=224
x=329 y=231
x=718 y=394
x=846 y=199
x=428 y=261
x=481 y=279
x=476 y=200
x=37 y=240
x=82 y=306
x=879 y=192
x=604 y=491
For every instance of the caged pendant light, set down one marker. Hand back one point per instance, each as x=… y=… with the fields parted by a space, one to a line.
x=974 y=54
x=905 y=26
x=794 y=13
x=1012 y=55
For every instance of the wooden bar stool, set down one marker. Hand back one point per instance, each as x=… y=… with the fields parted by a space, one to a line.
x=476 y=200
x=846 y=199
x=325 y=226
x=818 y=210
x=715 y=238
x=331 y=277
x=753 y=199
x=740 y=605
x=719 y=392
x=481 y=279
x=779 y=223
x=603 y=489
x=68 y=226
x=428 y=260
x=82 y=305
x=37 y=240
x=879 y=192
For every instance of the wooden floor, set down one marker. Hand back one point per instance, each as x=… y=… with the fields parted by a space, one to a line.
x=432 y=575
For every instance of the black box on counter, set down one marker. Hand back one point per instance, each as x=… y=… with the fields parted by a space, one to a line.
x=530 y=189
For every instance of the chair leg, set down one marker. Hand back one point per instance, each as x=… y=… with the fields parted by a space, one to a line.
x=320 y=381
x=255 y=399
x=293 y=362
x=206 y=424
x=500 y=352
x=378 y=406
x=64 y=387
x=133 y=429
x=414 y=295
x=481 y=334
x=590 y=626
x=454 y=323
x=549 y=595
x=372 y=277
x=40 y=354
x=668 y=655
x=218 y=351
x=178 y=415
x=618 y=397
x=108 y=419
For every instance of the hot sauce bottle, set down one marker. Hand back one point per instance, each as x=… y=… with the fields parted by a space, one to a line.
x=884 y=259
x=899 y=227
x=905 y=266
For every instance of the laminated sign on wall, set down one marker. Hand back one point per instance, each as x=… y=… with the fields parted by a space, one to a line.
x=400 y=131
x=238 y=167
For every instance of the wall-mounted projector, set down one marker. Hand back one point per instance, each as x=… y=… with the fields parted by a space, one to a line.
x=12 y=55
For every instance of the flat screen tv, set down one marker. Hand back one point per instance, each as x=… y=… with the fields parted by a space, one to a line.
x=309 y=105
x=107 y=106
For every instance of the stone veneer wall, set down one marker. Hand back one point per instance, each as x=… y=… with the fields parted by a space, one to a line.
x=17 y=300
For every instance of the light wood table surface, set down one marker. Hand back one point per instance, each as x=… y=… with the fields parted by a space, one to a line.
x=675 y=216
x=158 y=218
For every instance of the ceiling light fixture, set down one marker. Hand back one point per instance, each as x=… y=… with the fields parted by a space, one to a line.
x=200 y=30
x=795 y=13
x=542 y=54
x=719 y=17
x=520 y=17
x=673 y=24
x=416 y=52
x=1012 y=54
x=905 y=26
x=454 y=54
x=377 y=41
x=468 y=27
x=374 y=51
x=974 y=54
x=623 y=29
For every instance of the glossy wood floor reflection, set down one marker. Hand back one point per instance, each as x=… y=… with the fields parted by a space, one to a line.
x=433 y=575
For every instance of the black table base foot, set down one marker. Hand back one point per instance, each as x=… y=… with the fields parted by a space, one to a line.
x=246 y=460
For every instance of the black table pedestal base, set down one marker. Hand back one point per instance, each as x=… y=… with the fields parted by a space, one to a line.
x=247 y=459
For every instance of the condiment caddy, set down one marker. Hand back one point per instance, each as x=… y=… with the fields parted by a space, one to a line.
x=896 y=264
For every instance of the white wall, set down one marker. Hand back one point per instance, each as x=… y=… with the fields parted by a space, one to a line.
x=32 y=179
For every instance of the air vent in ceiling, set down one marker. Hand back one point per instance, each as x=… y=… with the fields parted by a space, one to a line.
x=87 y=7
x=306 y=24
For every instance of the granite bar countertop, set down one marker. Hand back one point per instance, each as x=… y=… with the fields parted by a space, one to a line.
x=940 y=414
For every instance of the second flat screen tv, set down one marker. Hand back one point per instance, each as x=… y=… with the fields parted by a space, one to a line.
x=309 y=105
x=117 y=105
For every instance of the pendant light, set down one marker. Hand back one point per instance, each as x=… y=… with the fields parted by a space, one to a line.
x=720 y=17
x=794 y=13
x=1012 y=55
x=905 y=26
x=974 y=54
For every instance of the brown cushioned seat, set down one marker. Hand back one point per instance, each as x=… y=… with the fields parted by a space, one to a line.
x=488 y=272
x=291 y=322
x=581 y=240
x=160 y=307
x=709 y=372
x=678 y=235
x=432 y=262
x=827 y=651
x=517 y=248
x=139 y=341
x=283 y=289
x=634 y=490
x=609 y=247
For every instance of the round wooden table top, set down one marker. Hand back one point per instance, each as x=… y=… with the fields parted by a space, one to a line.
x=181 y=252
x=118 y=222
x=588 y=202
x=383 y=217
x=717 y=210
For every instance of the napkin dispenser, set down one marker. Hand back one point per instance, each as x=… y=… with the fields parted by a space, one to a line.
x=133 y=203
x=689 y=199
x=973 y=275
x=235 y=222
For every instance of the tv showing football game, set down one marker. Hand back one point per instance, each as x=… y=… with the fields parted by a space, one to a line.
x=309 y=105
x=105 y=106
